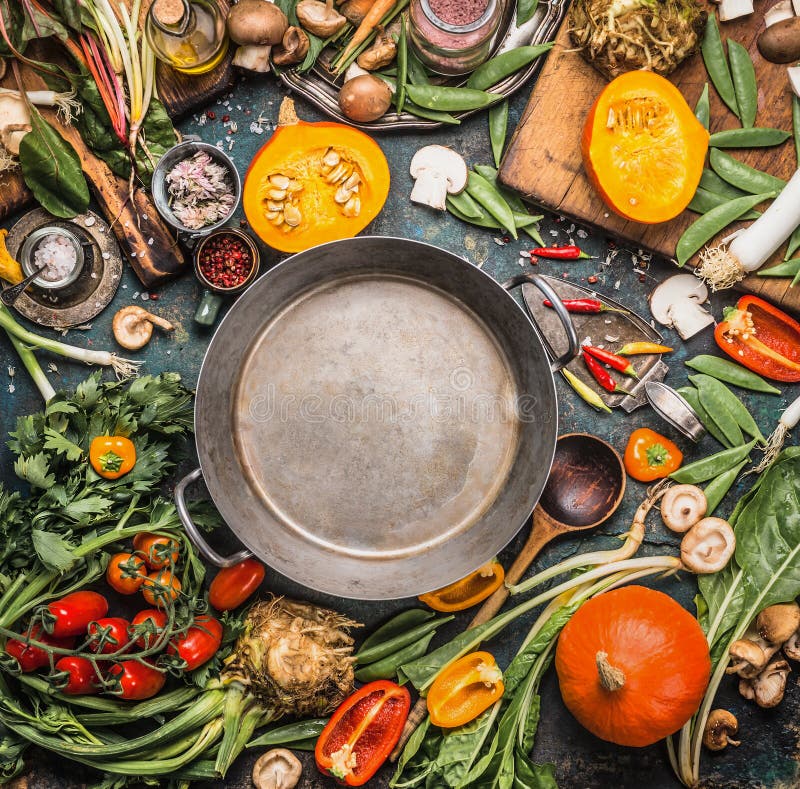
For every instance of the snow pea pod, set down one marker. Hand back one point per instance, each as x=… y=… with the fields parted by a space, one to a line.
x=740 y=175
x=525 y=10
x=704 y=200
x=487 y=195
x=727 y=399
x=401 y=623
x=290 y=733
x=484 y=220
x=794 y=243
x=466 y=205
x=431 y=115
x=503 y=65
x=378 y=651
x=692 y=396
x=731 y=373
x=717 y=219
x=712 y=466
x=702 y=110
x=523 y=221
x=713 y=183
x=754 y=137
x=788 y=268
x=498 y=125
x=717 y=489
x=402 y=66
x=718 y=411
x=743 y=75
x=450 y=99
x=416 y=71
x=717 y=64
x=387 y=668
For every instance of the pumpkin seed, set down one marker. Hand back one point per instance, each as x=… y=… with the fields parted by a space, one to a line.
x=292 y=215
x=279 y=181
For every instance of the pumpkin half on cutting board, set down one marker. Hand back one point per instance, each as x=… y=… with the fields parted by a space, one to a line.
x=313 y=183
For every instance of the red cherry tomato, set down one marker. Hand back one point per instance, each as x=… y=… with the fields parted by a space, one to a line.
x=73 y=612
x=81 y=679
x=137 y=681
x=233 y=585
x=158 y=551
x=200 y=642
x=109 y=634
x=126 y=573
x=156 y=620
x=30 y=657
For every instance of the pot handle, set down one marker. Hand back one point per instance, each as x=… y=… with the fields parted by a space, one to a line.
x=196 y=538
x=561 y=311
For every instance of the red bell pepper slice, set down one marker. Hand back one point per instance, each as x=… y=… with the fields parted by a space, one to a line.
x=762 y=338
x=360 y=735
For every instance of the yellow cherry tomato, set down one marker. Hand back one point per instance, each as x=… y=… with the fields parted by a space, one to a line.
x=112 y=456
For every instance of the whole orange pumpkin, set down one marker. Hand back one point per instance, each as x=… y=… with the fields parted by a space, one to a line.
x=632 y=665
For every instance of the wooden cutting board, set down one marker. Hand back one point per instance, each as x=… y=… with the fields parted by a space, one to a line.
x=543 y=160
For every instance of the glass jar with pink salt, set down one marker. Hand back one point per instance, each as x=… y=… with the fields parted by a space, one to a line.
x=453 y=37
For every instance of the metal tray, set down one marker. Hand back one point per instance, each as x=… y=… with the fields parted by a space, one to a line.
x=321 y=88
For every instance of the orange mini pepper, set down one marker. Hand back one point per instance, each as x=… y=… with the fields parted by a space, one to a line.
x=112 y=456
x=464 y=690
x=469 y=591
x=650 y=456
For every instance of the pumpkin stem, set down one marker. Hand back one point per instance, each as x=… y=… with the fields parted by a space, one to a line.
x=611 y=677
x=287 y=115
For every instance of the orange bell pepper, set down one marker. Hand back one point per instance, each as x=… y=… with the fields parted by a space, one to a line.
x=762 y=338
x=469 y=591
x=650 y=456
x=464 y=690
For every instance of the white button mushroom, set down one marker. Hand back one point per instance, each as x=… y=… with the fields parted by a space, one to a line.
x=676 y=303
x=708 y=546
x=437 y=171
x=682 y=507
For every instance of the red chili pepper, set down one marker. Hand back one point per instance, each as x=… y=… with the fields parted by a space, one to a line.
x=361 y=734
x=583 y=305
x=619 y=363
x=602 y=376
x=569 y=252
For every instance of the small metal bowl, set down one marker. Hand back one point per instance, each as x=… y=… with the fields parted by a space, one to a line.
x=178 y=153
x=31 y=244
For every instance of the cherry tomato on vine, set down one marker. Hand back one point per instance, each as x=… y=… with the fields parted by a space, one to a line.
x=161 y=586
x=109 y=634
x=233 y=585
x=81 y=678
x=157 y=622
x=158 y=552
x=73 y=612
x=112 y=456
x=136 y=680
x=126 y=573
x=30 y=657
x=200 y=642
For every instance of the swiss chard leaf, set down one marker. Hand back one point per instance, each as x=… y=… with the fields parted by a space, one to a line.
x=462 y=747
x=529 y=775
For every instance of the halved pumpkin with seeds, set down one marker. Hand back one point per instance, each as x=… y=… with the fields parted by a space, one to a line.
x=643 y=148
x=314 y=182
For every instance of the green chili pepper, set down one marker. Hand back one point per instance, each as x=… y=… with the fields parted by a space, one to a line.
x=498 y=125
x=702 y=110
x=585 y=392
x=431 y=115
x=758 y=137
x=401 y=623
x=717 y=219
x=746 y=178
x=503 y=65
x=718 y=411
x=729 y=402
x=525 y=10
x=713 y=183
x=378 y=651
x=743 y=76
x=717 y=64
x=417 y=75
x=487 y=195
x=450 y=99
x=731 y=373
x=387 y=668
x=713 y=465
x=402 y=67
x=703 y=201
x=717 y=489
x=786 y=269
x=466 y=205
x=692 y=396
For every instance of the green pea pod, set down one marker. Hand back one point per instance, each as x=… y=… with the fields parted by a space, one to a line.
x=692 y=396
x=702 y=110
x=703 y=201
x=450 y=99
x=389 y=646
x=466 y=205
x=397 y=625
x=484 y=220
x=503 y=65
x=712 y=466
x=417 y=75
x=796 y=127
x=431 y=115
x=585 y=392
x=717 y=489
x=387 y=668
x=718 y=411
x=717 y=219
x=788 y=268
x=713 y=183
x=525 y=10
x=731 y=373
x=727 y=399
x=532 y=231
x=498 y=125
x=487 y=195
x=740 y=175
x=402 y=67
x=757 y=137
x=515 y=202
x=794 y=243
x=717 y=64
x=290 y=733
x=743 y=75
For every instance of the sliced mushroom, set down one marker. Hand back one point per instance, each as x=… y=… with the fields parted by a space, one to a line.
x=321 y=19
x=682 y=507
x=780 y=11
x=708 y=546
x=778 y=623
x=770 y=685
x=720 y=727
x=750 y=655
x=380 y=54
x=733 y=9
x=438 y=171
x=293 y=47
x=676 y=303
x=133 y=326
x=277 y=769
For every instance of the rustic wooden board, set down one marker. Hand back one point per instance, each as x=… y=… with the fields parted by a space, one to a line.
x=180 y=95
x=543 y=161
